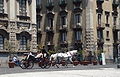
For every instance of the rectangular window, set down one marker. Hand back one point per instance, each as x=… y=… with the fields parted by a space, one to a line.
x=107 y=18
x=1 y=6
x=78 y=35
x=100 y=34
x=99 y=19
x=63 y=20
x=50 y=22
x=49 y=1
x=119 y=35
x=77 y=18
x=22 y=7
x=63 y=36
x=38 y=3
x=38 y=21
x=107 y=34
x=114 y=20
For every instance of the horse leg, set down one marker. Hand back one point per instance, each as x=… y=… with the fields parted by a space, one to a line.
x=70 y=59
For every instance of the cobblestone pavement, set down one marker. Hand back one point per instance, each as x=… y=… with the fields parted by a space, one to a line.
x=79 y=71
x=111 y=67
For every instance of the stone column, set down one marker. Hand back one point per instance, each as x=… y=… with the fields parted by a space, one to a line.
x=12 y=7
x=12 y=37
x=89 y=26
x=34 y=38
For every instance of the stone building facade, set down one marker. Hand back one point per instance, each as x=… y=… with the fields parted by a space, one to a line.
x=90 y=25
x=17 y=26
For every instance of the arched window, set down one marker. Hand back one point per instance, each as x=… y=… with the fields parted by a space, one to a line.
x=23 y=43
x=1 y=6
x=1 y=42
x=22 y=5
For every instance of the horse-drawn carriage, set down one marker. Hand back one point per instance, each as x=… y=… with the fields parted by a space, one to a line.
x=46 y=62
x=30 y=60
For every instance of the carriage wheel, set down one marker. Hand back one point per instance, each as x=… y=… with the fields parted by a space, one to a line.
x=23 y=64
x=47 y=64
x=30 y=65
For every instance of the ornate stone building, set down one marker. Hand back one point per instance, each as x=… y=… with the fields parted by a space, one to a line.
x=17 y=26
x=90 y=25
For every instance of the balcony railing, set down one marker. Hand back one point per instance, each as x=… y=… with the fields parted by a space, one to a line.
x=63 y=28
x=100 y=1
x=38 y=7
x=2 y=13
x=49 y=29
x=78 y=41
x=116 y=28
x=100 y=40
x=62 y=3
x=77 y=26
x=50 y=43
x=115 y=3
x=50 y=5
x=77 y=1
x=101 y=26
x=63 y=42
x=77 y=9
x=116 y=41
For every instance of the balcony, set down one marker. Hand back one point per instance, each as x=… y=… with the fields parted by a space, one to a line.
x=77 y=2
x=100 y=1
x=77 y=26
x=50 y=43
x=63 y=28
x=77 y=9
x=115 y=13
x=78 y=42
x=116 y=28
x=50 y=6
x=100 y=41
x=101 y=26
x=99 y=10
x=64 y=43
x=49 y=29
x=116 y=42
x=62 y=3
x=38 y=7
x=23 y=15
x=2 y=14
x=39 y=29
x=115 y=3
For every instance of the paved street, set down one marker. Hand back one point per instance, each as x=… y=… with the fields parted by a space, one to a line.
x=78 y=71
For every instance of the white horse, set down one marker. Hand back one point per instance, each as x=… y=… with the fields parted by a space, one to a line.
x=67 y=56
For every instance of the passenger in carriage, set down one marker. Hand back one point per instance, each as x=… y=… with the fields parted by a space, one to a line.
x=45 y=53
x=39 y=56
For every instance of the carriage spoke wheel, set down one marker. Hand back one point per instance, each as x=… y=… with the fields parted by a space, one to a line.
x=30 y=65
x=23 y=64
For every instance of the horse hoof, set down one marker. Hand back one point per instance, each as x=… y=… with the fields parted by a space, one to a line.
x=73 y=66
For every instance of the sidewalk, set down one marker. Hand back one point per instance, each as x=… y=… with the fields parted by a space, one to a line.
x=104 y=72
